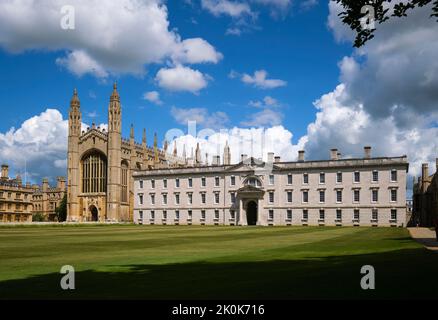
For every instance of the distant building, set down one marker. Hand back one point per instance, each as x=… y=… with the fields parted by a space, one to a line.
x=46 y=199
x=425 y=197
x=15 y=198
x=345 y=192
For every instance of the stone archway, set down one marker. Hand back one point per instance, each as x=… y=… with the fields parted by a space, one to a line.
x=251 y=213
x=94 y=214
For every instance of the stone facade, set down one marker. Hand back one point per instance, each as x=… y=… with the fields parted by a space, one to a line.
x=345 y=192
x=425 y=198
x=101 y=163
x=45 y=199
x=15 y=198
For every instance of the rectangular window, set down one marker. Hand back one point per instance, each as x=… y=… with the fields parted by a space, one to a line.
x=271 y=197
x=356 y=195
x=203 y=214
x=271 y=214
x=321 y=196
x=375 y=176
x=305 y=214
x=216 y=181
x=394 y=214
x=203 y=182
x=216 y=214
x=339 y=177
x=152 y=215
x=339 y=196
x=289 y=196
x=165 y=183
x=189 y=214
x=321 y=215
x=177 y=198
x=305 y=196
x=177 y=183
x=232 y=214
x=393 y=175
x=375 y=195
x=289 y=179
x=216 y=198
x=203 y=198
x=356 y=214
x=271 y=179
x=375 y=215
x=233 y=197
x=289 y=214
x=233 y=180
x=152 y=184
x=190 y=183
x=322 y=177
x=177 y=214
x=339 y=214
x=305 y=178
x=140 y=215
x=164 y=198
x=141 y=184
x=164 y=214
x=393 y=195
x=140 y=199
x=356 y=176
x=190 y=198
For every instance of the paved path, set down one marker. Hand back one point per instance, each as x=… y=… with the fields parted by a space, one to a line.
x=425 y=236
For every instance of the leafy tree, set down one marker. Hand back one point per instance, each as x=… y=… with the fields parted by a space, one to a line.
x=354 y=14
x=38 y=217
x=61 y=211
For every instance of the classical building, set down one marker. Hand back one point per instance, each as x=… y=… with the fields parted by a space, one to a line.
x=368 y=191
x=101 y=163
x=45 y=199
x=425 y=198
x=15 y=198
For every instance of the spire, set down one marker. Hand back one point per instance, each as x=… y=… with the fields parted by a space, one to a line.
x=184 y=153
x=175 y=151
x=115 y=95
x=155 y=148
x=144 y=141
x=75 y=115
x=227 y=154
x=198 y=154
x=114 y=112
x=166 y=145
x=75 y=100
x=132 y=132
x=206 y=158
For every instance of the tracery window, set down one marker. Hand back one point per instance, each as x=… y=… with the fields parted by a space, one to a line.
x=94 y=169
x=124 y=180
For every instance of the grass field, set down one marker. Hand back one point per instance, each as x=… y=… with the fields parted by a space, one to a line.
x=191 y=262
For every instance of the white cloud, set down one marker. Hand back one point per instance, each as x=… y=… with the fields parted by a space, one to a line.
x=201 y=116
x=181 y=78
x=153 y=96
x=264 y=118
x=40 y=144
x=109 y=37
x=224 y=7
x=267 y=101
x=259 y=80
x=252 y=142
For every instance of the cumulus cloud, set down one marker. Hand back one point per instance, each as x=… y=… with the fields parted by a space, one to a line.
x=180 y=78
x=255 y=142
x=267 y=101
x=153 y=96
x=201 y=116
x=109 y=36
x=259 y=80
x=224 y=7
x=40 y=145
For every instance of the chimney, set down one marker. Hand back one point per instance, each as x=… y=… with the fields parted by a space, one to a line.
x=367 y=151
x=45 y=184
x=277 y=159
x=334 y=154
x=270 y=157
x=243 y=157
x=5 y=172
x=338 y=155
x=216 y=161
x=19 y=180
x=425 y=171
x=61 y=183
x=301 y=156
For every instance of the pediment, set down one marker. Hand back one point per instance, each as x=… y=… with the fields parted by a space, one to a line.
x=252 y=165
x=94 y=133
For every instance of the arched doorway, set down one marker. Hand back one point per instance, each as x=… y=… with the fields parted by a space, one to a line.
x=94 y=214
x=251 y=213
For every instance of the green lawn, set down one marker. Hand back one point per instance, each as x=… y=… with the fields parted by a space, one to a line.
x=200 y=262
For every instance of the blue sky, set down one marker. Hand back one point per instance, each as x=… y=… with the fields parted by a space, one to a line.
x=198 y=59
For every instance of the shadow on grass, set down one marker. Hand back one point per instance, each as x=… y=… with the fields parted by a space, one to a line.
x=406 y=274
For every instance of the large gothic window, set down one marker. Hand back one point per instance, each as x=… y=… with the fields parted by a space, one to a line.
x=94 y=173
x=124 y=181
